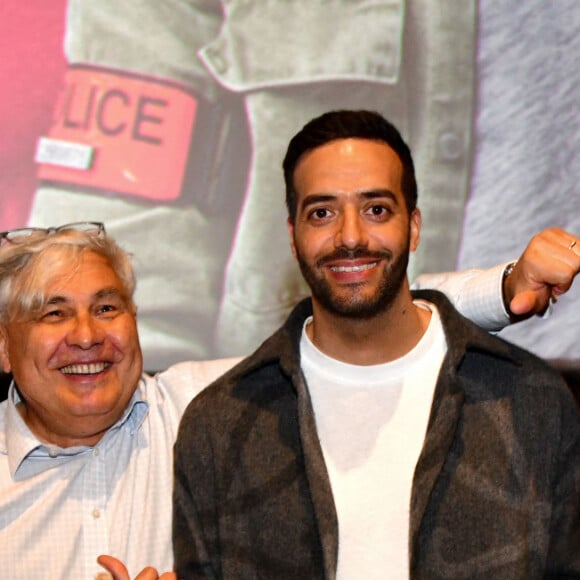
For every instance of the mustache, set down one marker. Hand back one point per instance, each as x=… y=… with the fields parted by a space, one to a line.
x=357 y=253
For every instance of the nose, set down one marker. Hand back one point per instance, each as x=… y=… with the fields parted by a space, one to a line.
x=351 y=232
x=85 y=332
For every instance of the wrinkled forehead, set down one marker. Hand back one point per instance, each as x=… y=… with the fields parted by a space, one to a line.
x=62 y=271
x=56 y=264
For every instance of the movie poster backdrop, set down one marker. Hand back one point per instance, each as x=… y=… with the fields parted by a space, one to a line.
x=168 y=121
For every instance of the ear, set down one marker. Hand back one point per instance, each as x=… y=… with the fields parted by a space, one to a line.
x=4 y=357
x=415 y=229
x=290 y=225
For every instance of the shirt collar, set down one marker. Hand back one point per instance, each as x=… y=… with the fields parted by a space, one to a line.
x=22 y=444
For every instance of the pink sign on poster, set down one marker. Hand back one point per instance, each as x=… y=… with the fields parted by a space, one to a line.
x=32 y=65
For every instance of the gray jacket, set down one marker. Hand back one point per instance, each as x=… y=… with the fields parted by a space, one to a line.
x=496 y=491
x=258 y=70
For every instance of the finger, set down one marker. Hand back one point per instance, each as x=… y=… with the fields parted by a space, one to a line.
x=555 y=236
x=562 y=288
x=525 y=303
x=151 y=573
x=560 y=244
x=114 y=566
x=560 y=278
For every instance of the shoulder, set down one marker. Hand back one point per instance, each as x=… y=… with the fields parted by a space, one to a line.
x=191 y=377
x=250 y=389
x=487 y=362
x=521 y=385
x=181 y=382
x=257 y=385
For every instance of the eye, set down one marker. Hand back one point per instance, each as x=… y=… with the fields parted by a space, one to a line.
x=107 y=310
x=110 y=307
x=51 y=315
x=319 y=214
x=379 y=211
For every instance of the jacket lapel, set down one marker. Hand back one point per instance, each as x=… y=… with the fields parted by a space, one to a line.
x=316 y=472
x=319 y=481
x=445 y=413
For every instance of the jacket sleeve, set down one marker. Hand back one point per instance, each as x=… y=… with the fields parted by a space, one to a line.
x=564 y=553
x=195 y=528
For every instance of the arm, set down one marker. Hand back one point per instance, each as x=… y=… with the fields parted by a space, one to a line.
x=546 y=269
x=477 y=294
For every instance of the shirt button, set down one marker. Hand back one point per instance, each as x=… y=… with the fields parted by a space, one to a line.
x=95 y=452
x=96 y=513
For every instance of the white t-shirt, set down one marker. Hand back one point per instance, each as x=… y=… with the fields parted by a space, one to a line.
x=372 y=421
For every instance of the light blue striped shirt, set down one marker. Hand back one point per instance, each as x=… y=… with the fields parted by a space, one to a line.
x=61 y=508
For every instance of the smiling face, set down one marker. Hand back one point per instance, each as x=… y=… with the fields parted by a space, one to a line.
x=352 y=233
x=76 y=362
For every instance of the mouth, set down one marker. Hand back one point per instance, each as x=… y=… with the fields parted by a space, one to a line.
x=358 y=268
x=85 y=369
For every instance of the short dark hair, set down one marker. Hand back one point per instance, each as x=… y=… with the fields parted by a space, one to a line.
x=346 y=124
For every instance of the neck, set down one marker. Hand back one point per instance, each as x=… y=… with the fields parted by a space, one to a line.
x=387 y=336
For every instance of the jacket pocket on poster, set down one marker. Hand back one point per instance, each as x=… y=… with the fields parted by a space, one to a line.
x=269 y=43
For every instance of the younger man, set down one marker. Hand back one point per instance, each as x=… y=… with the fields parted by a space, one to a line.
x=378 y=433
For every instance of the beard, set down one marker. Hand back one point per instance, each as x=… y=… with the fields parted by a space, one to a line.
x=355 y=304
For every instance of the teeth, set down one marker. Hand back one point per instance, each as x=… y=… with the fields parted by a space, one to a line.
x=353 y=268
x=84 y=369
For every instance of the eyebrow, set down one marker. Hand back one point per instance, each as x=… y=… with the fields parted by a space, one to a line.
x=110 y=292
x=316 y=198
x=103 y=293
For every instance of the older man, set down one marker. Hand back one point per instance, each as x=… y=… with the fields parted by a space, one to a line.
x=85 y=438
